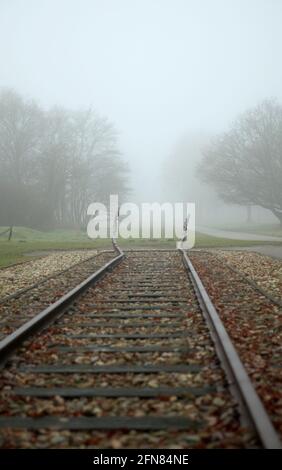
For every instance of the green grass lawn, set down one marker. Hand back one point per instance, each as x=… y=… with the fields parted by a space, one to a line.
x=25 y=241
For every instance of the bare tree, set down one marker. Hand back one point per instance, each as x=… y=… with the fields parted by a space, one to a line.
x=20 y=129
x=97 y=167
x=54 y=164
x=245 y=164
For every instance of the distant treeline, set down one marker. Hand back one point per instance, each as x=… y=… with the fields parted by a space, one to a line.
x=54 y=163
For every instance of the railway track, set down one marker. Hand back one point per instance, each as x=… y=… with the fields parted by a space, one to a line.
x=253 y=319
x=126 y=359
x=274 y=300
x=41 y=281
x=24 y=304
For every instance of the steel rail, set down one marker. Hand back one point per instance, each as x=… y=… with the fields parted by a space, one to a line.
x=53 y=311
x=241 y=386
x=42 y=281
x=251 y=282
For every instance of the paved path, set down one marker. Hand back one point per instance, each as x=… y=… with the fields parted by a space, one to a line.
x=237 y=235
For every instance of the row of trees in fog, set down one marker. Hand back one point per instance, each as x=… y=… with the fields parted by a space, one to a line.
x=242 y=165
x=54 y=163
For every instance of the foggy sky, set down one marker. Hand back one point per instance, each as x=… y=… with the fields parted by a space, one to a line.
x=159 y=69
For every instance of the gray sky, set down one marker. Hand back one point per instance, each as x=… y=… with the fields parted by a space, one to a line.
x=157 y=68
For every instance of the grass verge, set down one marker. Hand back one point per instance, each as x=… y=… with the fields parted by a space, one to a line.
x=26 y=243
